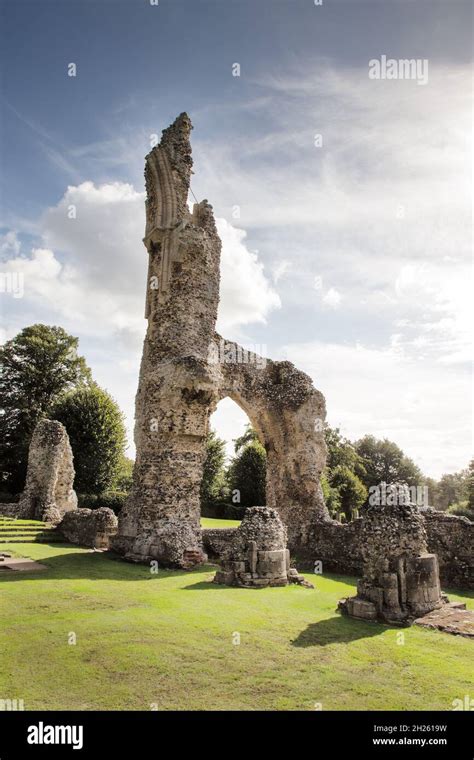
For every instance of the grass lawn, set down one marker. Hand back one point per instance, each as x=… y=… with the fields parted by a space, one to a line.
x=211 y=522
x=167 y=640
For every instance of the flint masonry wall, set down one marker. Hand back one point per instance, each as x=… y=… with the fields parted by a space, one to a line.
x=90 y=527
x=183 y=377
x=217 y=540
x=48 y=492
x=339 y=547
x=177 y=384
x=288 y=413
x=452 y=539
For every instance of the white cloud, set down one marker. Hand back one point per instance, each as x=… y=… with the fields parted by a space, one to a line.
x=389 y=394
x=89 y=277
x=246 y=294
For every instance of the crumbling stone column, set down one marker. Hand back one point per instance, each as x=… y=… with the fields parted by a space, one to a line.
x=257 y=555
x=177 y=384
x=48 y=492
x=401 y=578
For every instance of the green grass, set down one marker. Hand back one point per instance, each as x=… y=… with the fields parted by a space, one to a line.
x=211 y=522
x=166 y=639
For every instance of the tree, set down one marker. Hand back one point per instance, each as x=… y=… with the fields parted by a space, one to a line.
x=249 y=436
x=123 y=478
x=452 y=489
x=351 y=491
x=470 y=486
x=214 y=478
x=96 y=431
x=341 y=451
x=384 y=461
x=331 y=495
x=36 y=367
x=247 y=471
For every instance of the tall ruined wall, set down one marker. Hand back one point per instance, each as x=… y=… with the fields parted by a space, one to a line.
x=182 y=378
x=177 y=385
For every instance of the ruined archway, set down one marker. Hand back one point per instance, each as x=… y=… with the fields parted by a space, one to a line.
x=231 y=484
x=288 y=413
x=186 y=370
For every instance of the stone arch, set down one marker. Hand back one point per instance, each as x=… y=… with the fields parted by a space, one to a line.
x=186 y=370
x=288 y=414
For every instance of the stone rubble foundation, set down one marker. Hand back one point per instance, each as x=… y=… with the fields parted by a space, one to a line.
x=257 y=555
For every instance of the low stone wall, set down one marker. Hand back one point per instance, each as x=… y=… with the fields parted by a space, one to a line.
x=216 y=540
x=89 y=527
x=452 y=538
x=11 y=509
x=338 y=547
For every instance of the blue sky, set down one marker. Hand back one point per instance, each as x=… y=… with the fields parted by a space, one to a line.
x=351 y=259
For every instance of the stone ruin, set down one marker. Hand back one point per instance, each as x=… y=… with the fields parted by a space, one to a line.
x=90 y=527
x=400 y=580
x=257 y=555
x=187 y=369
x=48 y=492
x=49 y=495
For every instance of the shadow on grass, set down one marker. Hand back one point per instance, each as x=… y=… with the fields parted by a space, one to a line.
x=210 y=586
x=96 y=566
x=336 y=630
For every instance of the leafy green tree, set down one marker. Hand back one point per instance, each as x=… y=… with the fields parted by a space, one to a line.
x=331 y=496
x=470 y=485
x=341 y=452
x=432 y=486
x=123 y=478
x=213 y=482
x=452 y=488
x=96 y=431
x=36 y=367
x=462 y=509
x=249 y=436
x=247 y=471
x=351 y=491
x=384 y=461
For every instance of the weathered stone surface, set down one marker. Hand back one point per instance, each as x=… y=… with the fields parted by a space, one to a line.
x=451 y=538
x=287 y=412
x=10 y=509
x=400 y=579
x=90 y=527
x=256 y=555
x=216 y=541
x=48 y=492
x=187 y=368
x=339 y=547
x=451 y=618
